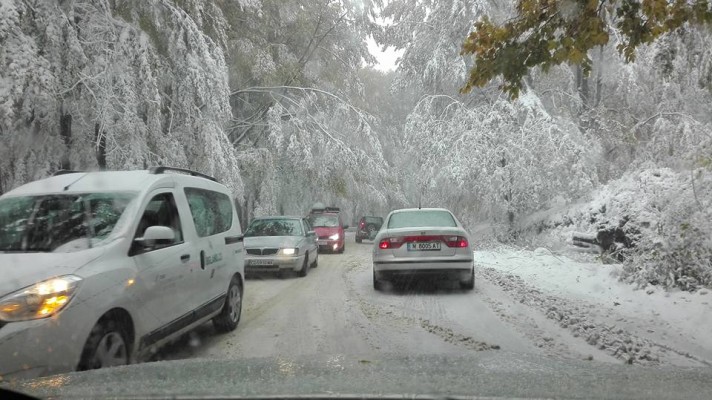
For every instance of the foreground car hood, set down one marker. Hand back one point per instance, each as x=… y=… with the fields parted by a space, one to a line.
x=19 y=270
x=488 y=373
x=272 y=241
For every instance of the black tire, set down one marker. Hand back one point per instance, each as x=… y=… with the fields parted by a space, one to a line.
x=377 y=284
x=305 y=267
x=316 y=260
x=231 y=312
x=358 y=240
x=470 y=283
x=106 y=337
x=343 y=248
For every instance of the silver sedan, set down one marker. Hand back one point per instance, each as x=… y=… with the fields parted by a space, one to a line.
x=422 y=242
x=280 y=244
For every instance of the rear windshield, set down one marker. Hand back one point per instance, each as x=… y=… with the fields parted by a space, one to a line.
x=421 y=218
x=373 y=220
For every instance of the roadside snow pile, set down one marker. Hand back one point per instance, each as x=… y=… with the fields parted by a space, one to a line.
x=636 y=326
x=658 y=221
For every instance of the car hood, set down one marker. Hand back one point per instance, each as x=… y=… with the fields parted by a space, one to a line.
x=326 y=230
x=487 y=373
x=272 y=241
x=19 y=270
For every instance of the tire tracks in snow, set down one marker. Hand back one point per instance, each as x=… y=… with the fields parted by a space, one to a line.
x=572 y=315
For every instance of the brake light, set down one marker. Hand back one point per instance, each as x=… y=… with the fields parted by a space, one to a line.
x=390 y=243
x=455 y=241
x=362 y=224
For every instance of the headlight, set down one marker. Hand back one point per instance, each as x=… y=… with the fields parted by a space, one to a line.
x=40 y=300
x=334 y=236
x=289 y=251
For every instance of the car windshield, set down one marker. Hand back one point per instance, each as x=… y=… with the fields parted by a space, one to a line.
x=421 y=218
x=59 y=223
x=324 y=221
x=275 y=227
x=356 y=198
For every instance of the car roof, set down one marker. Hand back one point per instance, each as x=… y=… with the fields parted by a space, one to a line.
x=278 y=217
x=419 y=209
x=109 y=181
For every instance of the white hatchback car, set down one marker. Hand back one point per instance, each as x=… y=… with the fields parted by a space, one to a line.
x=422 y=242
x=101 y=268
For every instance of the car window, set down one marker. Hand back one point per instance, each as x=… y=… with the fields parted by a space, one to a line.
x=421 y=218
x=275 y=227
x=211 y=211
x=161 y=210
x=59 y=222
x=328 y=221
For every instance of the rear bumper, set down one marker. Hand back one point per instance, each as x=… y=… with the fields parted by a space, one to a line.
x=438 y=273
x=389 y=267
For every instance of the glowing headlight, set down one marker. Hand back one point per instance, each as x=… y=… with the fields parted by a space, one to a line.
x=40 y=300
x=289 y=252
x=334 y=236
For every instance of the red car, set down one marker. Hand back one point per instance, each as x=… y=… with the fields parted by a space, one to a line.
x=330 y=229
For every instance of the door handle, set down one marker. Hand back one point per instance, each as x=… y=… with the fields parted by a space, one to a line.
x=202 y=259
x=185 y=257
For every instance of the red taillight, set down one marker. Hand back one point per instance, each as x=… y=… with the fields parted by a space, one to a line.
x=390 y=243
x=362 y=224
x=455 y=241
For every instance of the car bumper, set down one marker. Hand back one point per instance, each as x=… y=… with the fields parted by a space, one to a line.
x=275 y=264
x=29 y=349
x=390 y=267
x=330 y=245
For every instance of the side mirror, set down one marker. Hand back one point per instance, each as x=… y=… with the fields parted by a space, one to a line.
x=155 y=234
x=346 y=227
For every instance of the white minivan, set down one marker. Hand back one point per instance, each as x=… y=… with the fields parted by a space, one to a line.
x=99 y=269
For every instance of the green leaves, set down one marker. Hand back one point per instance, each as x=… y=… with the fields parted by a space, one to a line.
x=546 y=33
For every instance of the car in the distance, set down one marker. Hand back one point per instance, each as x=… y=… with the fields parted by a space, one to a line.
x=280 y=244
x=368 y=227
x=330 y=229
x=101 y=268
x=422 y=242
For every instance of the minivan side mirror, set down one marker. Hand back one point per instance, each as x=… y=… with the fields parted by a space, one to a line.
x=155 y=234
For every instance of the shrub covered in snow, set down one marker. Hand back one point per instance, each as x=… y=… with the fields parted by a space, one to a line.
x=657 y=221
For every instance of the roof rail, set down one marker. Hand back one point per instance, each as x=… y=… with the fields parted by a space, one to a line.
x=66 y=171
x=162 y=170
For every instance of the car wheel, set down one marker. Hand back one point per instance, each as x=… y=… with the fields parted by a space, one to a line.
x=469 y=284
x=316 y=260
x=106 y=346
x=229 y=317
x=305 y=267
x=343 y=248
x=377 y=284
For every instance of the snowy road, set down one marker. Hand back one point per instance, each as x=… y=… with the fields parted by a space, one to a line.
x=335 y=311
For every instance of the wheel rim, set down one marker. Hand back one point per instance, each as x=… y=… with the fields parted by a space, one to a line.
x=233 y=302
x=111 y=351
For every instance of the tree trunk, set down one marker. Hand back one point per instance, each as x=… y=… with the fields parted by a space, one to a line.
x=65 y=132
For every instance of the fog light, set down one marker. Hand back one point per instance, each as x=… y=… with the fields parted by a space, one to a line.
x=336 y=246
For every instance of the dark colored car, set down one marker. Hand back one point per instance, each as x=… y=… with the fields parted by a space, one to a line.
x=330 y=229
x=367 y=228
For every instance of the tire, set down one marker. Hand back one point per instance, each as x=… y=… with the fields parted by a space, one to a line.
x=316 y=260
x=343 y=248
x=358 y=240
x=305 y=267
x=377 y=284
x=231 y=312
x=470 y=283
x=107 y=346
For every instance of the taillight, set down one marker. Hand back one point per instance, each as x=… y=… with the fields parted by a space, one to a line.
x=390 y=243
x=455 y=241
x=362 y=224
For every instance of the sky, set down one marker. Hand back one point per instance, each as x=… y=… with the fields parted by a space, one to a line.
x=386 y=59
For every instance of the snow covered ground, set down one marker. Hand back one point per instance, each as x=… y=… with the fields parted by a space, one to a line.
x=647 y=326
x=525 y=302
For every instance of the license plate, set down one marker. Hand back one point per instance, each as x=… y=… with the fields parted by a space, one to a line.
x=261 y=262
x=322 y=243
x=424 y=246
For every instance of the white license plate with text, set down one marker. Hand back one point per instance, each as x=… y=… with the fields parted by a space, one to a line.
x=424 y=246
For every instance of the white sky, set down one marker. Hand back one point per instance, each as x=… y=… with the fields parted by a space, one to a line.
x=386 y=59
